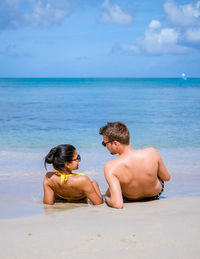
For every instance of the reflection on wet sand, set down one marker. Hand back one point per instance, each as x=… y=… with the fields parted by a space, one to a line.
x=63 y=206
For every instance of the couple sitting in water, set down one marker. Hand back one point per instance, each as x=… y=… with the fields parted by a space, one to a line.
x=134 y=175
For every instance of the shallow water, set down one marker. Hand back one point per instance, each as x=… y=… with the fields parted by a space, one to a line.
x=21 y=195
x=37 y=114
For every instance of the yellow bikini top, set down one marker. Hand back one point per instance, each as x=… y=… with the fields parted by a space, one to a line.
x=64 y=177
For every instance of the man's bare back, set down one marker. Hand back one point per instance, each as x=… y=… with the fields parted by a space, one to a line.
x=134 y=174
x=139 y=173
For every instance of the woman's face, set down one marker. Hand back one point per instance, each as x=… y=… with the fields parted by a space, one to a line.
x=73 y=165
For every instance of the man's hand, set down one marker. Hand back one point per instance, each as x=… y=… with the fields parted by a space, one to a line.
x=113 y=195
x=163 y=174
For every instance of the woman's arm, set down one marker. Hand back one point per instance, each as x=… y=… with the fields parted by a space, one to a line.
x=48 y=192
x=91 y=190
x=96 y=187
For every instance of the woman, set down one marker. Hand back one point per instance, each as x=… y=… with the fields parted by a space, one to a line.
x=65 y=184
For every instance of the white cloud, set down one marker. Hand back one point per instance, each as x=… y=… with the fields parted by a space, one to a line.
x=161 y=40
x=154 y=24
x=180 y=36
x=193 y=35
x=130 y=48
x=186 y=18
x=183 y=15
x=114 y=14
x=157 y=40
x=160 y=35
x=45 y=14
x=16 y=13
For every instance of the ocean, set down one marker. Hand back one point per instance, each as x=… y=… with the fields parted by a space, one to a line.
x=37 y=114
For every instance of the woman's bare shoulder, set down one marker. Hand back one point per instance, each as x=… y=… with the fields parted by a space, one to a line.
x=79 y=180
x=49 y=176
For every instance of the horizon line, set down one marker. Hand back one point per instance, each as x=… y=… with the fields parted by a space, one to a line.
x=117 y=77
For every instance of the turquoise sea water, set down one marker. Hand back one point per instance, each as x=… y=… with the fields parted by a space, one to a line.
x=37 y=114
x=40 y=113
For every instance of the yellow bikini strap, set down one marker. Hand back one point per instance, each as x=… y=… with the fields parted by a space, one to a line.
x=64 y=177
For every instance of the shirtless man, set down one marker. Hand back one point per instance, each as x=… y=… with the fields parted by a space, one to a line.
x=134 y=174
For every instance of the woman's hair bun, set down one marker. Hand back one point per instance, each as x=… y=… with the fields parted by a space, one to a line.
x=50 y=156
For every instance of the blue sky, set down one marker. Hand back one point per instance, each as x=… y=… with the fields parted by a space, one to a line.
x=99 y=38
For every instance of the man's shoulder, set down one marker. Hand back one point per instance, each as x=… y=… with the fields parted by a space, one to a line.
x=113 y=166
x=148 y=150
x=109 y=164
x=151 y=149
x=145 y=153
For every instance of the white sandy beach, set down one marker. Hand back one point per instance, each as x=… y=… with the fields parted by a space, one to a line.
x=166 y=228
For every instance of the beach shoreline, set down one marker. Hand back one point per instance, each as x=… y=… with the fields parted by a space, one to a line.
x=22 y=192
x=166 y=228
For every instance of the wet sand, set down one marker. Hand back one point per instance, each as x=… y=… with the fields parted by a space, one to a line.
x=166 y=228
x=22 y=195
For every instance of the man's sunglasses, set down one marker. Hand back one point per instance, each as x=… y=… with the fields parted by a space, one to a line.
x=105 y=143
x=78 y=158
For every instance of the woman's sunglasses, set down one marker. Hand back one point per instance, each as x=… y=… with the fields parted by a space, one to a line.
x=78 y=158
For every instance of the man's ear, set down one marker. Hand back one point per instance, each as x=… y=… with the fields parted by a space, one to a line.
x=117 y=146
x=116 y=143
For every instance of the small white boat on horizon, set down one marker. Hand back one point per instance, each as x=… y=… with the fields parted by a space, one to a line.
x=184 y=77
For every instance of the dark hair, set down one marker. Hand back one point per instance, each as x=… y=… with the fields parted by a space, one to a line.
x=59 y=155
x=115 y=131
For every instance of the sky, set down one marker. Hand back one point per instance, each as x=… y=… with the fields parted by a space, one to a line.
x=99 y=38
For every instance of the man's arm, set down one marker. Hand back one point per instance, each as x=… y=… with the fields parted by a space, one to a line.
x=48 y=192
x=163 y=174
x=114 y=199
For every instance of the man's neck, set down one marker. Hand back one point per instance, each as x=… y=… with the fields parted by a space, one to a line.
x=123 y=149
